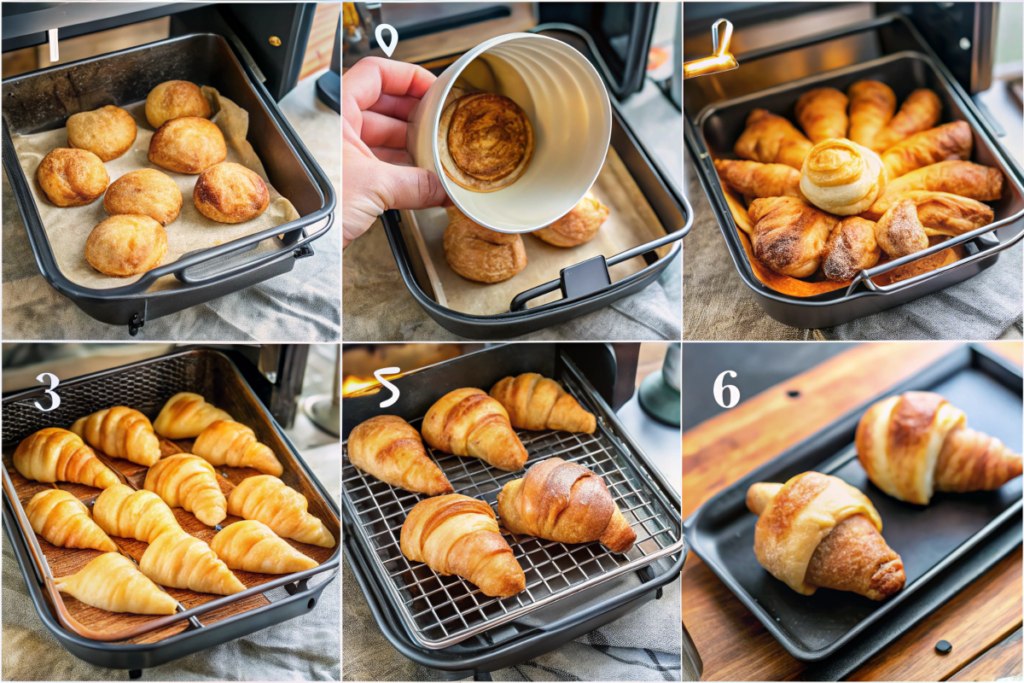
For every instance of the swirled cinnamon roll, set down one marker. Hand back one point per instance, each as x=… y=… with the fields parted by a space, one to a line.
x=842 y=177
x=485 y=141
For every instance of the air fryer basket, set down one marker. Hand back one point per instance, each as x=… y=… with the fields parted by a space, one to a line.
x=43 y=100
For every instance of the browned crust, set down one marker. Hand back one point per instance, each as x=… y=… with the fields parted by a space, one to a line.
x=122 y=246
x=479 y=254
x=174 y=99
x=486 y=141
x=789 y=235
x=850 y=248
x=107 y=132
x=187 y=145
x=230 y=193
x=145 y=192
x=962 y=178
x=72 y=177
x=948 y=142
x=822 y=114
x=579 y=226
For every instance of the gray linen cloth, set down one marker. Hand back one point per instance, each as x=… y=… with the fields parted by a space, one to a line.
x=300 y=306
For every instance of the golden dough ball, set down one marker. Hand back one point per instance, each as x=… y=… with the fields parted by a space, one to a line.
x=187 y=145
x=122 y=246
x=107 y=132
x=230 y=193
x=479 y=254
x=72 y=177
x=174 y=99
x=146 y=192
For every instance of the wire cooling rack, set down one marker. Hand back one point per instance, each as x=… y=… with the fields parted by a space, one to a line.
x=443 y=610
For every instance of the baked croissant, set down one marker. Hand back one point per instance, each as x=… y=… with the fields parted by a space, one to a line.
x=961 y=178
x=789 y=235
x=178 y=560
x=390 y=449
x=565 y=502
x=120 y=432
x=141 y=515
x=479 y=254
x=755 y=179
x=917 y=443
x=535 y=403
x=190 y=483
x=468 y=422
x=822 y=114
x=230 y=443
x=113 y=582
x=817 y=531
x=251 y=546
x=942 y=213
x=842 y=177
x=851 y=248
x=920 y=111
x=950 y=142
x=64 y=521
x=267 y=499
x=899 y=231
x=456 y=534
x=579 y=226
x=872 y=105
x=772 y=139
x=54 y=454
x=186 y=415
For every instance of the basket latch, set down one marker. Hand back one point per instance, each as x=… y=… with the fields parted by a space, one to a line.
x=136 y=323
x=585 y=278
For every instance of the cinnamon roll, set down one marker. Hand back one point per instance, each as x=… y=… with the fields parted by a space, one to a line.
x=485 y=141
x=842 y=177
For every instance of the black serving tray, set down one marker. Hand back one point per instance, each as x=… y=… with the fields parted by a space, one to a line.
x=932 y=540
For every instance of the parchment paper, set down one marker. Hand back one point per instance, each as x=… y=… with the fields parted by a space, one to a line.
x=69 y=228
x=631 y=222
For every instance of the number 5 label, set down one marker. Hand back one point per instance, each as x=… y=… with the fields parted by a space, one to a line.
x=721 y=388
x=54 y=398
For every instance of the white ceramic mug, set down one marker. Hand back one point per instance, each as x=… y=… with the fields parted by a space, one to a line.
x=567 y=104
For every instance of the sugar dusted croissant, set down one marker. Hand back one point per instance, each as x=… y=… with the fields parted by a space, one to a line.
x=113 y=582
x=772 y=139
x=907 y=225
x=872 y=105
x=822 y=114
x=950 y=142
x=789 y=235
x=534 y=402
x=141 y=515
x=917 y=443
x=390 y=449
x=817 y=531
x=920 y=111
x=120 y=432
x=579 y=226
x=899 y=231
x=565 y=502
x=190 y=483
x=226 y=442
x=459 y=535
x=54 y=454
x=755 y=179
x=64 y=521
x=468 y=422
x=842 y=177
x=186 y=415
x=851 y=248
x=961 y=178
x=269 y=500
x=251 y=546
x=178 y=560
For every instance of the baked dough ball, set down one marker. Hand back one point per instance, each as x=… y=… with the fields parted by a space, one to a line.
x=230 y=193
x=188 y=145
x=485 y=141
x=107 y=132
x=122 y=246
x=479 y=254
x=579 y=226
x=72 y=177
x=146 y=192
x=174 y=99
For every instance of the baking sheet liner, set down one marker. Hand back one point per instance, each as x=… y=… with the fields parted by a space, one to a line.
x=67 y=229
x=631 y=222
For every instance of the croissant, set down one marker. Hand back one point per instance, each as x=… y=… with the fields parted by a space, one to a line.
x=120 y=432
x=251 y=546
x=186 y=415
x=772 y=139
x=842 y=177
x=942 y=213
x=468 y=422
x=899 y=231
x=390 y=449
x=178 y=560
x=950 y=142
x=789 y=235
x=230 y=443
x=141 y=515
x=817 y=531
x=565 y=502
x=822 y=114
x=755 y=179
x=961 y=178
x=535 y=403
x=64 y=521
x=920 y=111
x=188 y=482
x=456 y=534
x=851 y=248
x=917 y=443
x=872 y=105
x=54 y=454
x=267 y=499
x=112 y=582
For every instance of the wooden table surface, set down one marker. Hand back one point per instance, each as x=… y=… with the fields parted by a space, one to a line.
x=983 y=622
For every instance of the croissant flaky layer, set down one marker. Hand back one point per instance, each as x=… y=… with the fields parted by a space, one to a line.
x=920 y=111
x=772 y=139
x=822 y=114
x=755 y=179
x=269 y=500
x=186 y=415
x=54 y=454
x=226 y=442
x=468 y=422
x=789 y=235
x=535 y=402
x=64 y=521
x=390 y=449
x=112 y=582
x=189 y=482
x=872 y=105
x=961 y=178
x=179 y=560
x=141 y=515
x=251 y=546
x=120 y=432
x=949 y=142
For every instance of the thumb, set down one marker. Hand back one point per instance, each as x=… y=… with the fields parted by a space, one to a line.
x=410 y=187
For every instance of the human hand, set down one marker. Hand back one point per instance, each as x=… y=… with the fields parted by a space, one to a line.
x=377 y=97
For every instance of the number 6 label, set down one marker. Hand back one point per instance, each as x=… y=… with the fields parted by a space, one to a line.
x=721 y=388
x=54 y=398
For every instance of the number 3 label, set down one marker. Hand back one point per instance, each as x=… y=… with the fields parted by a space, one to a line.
x=54 y=398
x=720 y=389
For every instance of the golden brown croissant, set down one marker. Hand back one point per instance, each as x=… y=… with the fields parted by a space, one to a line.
x=468 y=422
x=269 y=500
x=822 y=114
x=390 y=449
x=920 y=111
x=534 y=402
x=120 y=432
x=456 y=534
x=226 y=442
x=917 y=443
x=772 y=139
x=817 y=531
x=189 y=482
x=113 y=582
x=579 y=226
x=141 y=515
x=850 y=248
x=950 y=142
x=789 y=235
x=755 y=179
x=479 y=254
x=565 y=502
x=178 y=560
x=186 y=415
x=899 y=231
x=942 y=213
x=842 y=177
x=956 y=177
x=54 y=454
x=64 y=521
x=251 y=546
x=872 y=105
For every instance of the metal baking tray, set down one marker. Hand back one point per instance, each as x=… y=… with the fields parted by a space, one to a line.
x=907 y=64
x=445 y=622
x=146 y=386
x=665 y=198
x=930 y=539
x=43 y=100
